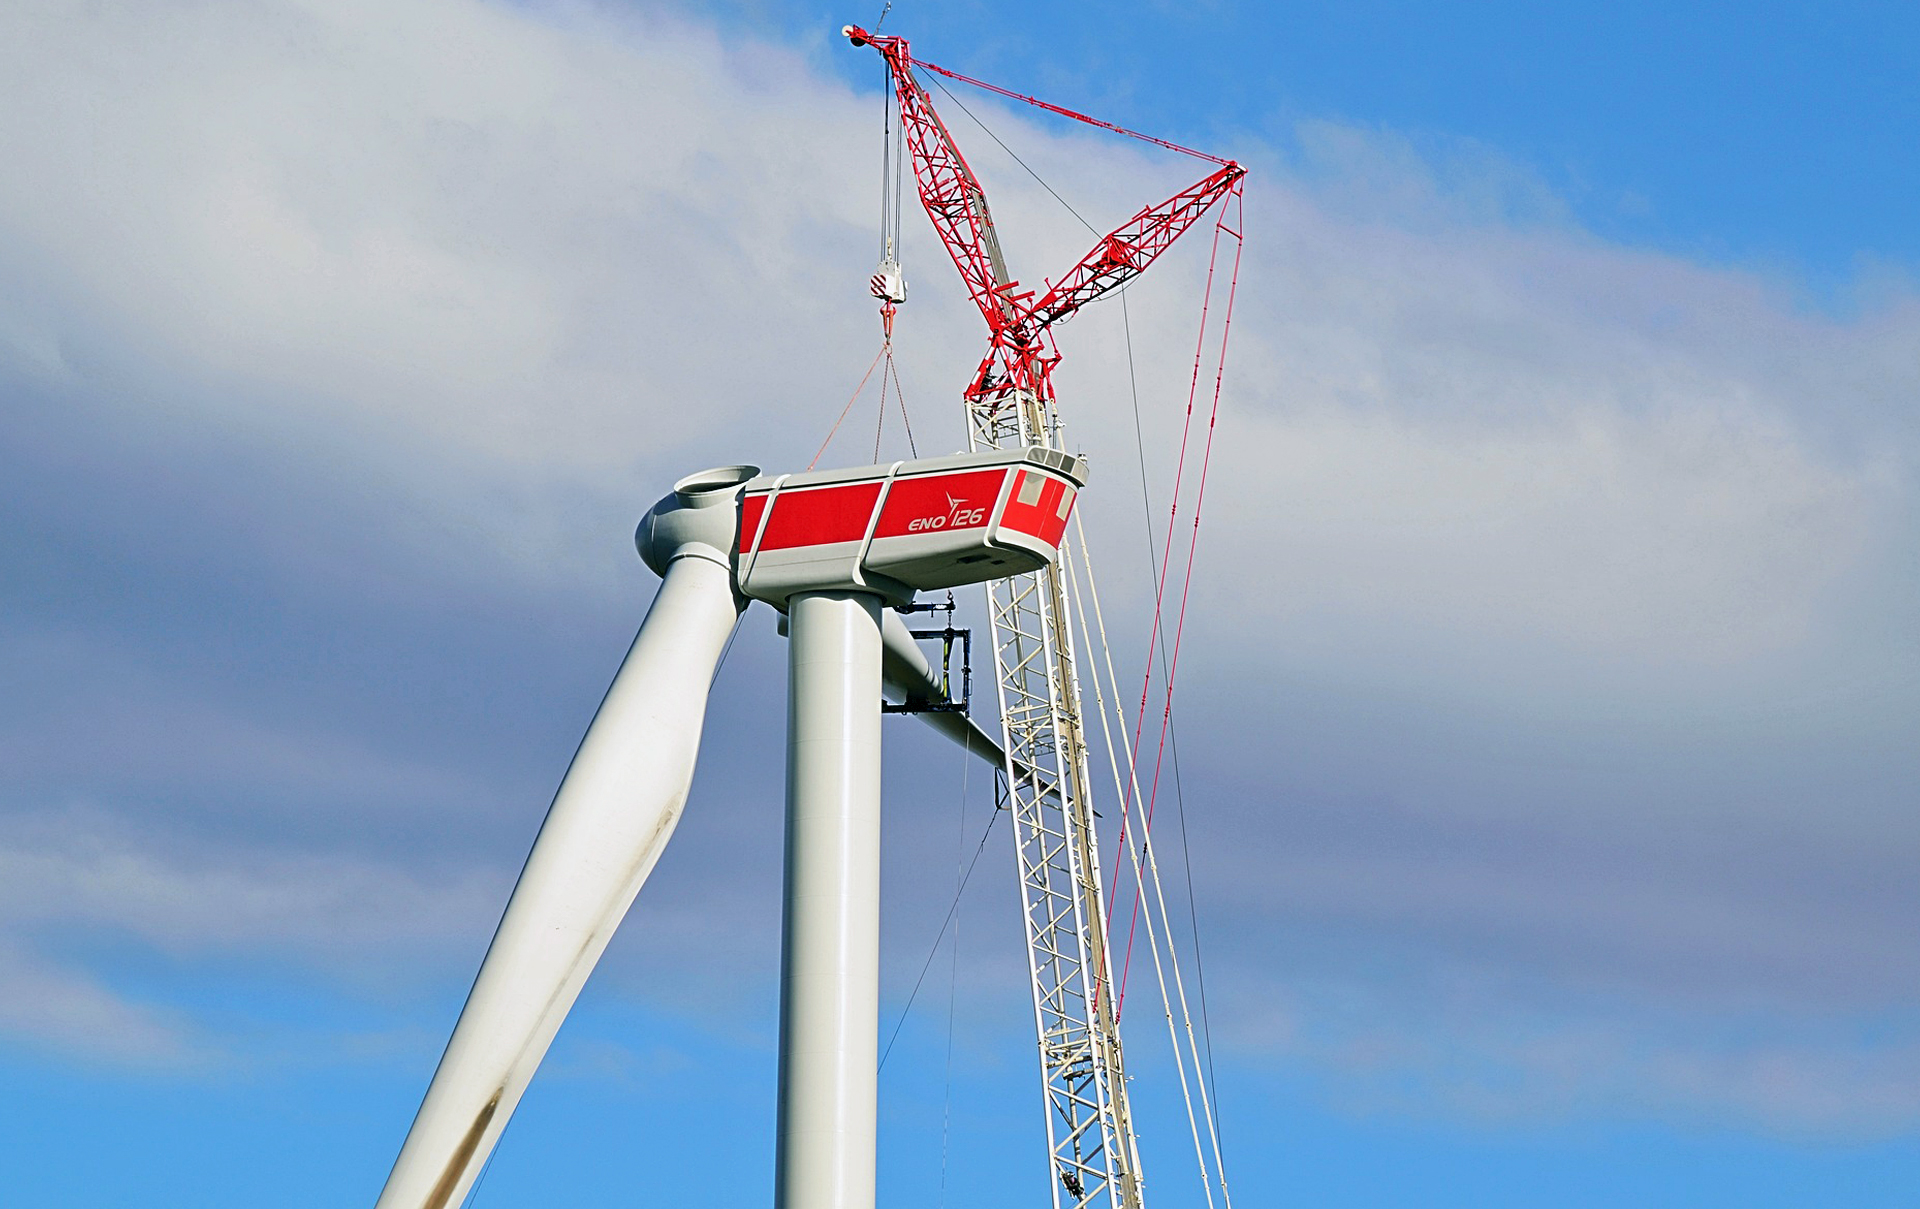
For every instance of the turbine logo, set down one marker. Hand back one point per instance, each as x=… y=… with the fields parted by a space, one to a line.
x=958 y=516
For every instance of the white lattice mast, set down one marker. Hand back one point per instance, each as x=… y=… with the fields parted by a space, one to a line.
x=1094 y=1152
x=1092 y=1148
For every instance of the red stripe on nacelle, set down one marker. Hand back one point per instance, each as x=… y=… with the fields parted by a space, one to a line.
x=818 y=516
x=936 y=503
x=1045 y=519
x=752 y=508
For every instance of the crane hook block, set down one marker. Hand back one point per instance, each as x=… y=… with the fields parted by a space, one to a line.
x=889 y=284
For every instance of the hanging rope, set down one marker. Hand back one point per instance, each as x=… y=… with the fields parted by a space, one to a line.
x=887 y=285
x=849 y=407
x=1141 y=857
x=1236 y=207
x=891 y=373
x=1037 y=103
x=1116 y=752
x=900 y=397
x=1102 y=270
x=880 y=417
x=935 y=950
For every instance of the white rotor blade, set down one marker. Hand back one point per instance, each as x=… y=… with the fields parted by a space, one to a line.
x=613 y=815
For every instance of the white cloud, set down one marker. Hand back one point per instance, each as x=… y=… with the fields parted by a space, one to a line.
x=89 y=872
x=1498 y=1060
x=70 y=1010
x=520 y=266
x=71 y=868
x=1683 y=538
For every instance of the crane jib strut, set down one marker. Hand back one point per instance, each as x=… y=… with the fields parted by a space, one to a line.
x=1093 y=1151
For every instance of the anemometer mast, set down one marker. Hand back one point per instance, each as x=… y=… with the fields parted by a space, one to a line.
x=1093 y=1153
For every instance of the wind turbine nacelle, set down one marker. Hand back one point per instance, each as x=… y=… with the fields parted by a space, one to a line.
x=905 y=527
x=893 y=529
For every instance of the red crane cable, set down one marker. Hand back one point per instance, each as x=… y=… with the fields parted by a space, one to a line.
x=1200 y=497
x=1018 y=354
x=1166 y=554
x=849 y=406
x=1068 y=113
x=860 y=36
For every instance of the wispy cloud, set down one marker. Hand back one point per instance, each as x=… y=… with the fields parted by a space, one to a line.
x=69 y=1010
x=1556 y=606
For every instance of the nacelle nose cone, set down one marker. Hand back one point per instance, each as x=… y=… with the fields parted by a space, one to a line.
x=700 y=519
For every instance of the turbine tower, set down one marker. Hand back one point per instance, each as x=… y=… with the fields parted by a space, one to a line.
x=838 y=553
x=832 y=550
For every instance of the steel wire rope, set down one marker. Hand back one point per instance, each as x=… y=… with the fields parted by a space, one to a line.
x=1153 y=565
x=1064 y=112
x=1193 y=924
x=935 y=950
x=848 y=408
x=1158 y=634
x=1155 y=639
x=473 y=1194
x=893 y=156
x=886 y=172
x=1206 y=458
x=988 y=131
x=900 y=397
x=1173 y=731
x=892 y=369
x=880 y=419
x=1152 y=865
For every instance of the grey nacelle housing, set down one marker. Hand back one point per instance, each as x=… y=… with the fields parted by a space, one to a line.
x=699 y=519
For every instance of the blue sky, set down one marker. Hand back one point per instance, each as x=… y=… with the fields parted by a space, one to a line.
x=1767 y=134
x=1546 y=721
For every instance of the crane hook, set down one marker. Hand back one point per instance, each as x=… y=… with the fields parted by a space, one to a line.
x=888 y=285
